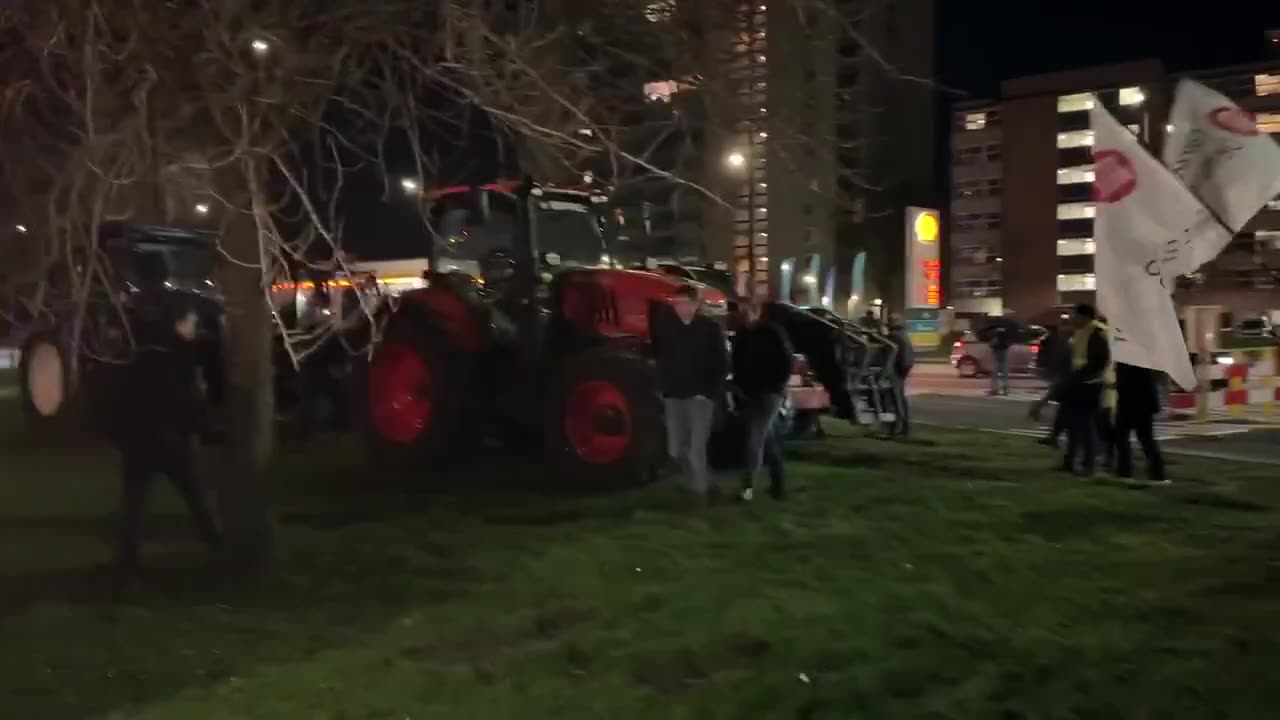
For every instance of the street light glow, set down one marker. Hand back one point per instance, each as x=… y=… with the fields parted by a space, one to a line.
x=202 y=208
x=260 y=46
x=810 y=279
x=736 y=159
x=20 y=228
x=409 y=185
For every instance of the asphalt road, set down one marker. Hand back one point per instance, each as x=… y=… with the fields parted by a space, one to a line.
x=940 y=398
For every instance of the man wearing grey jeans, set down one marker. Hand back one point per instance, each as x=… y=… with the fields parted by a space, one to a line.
x=693 y=361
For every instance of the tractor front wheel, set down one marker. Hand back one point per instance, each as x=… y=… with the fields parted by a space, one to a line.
x=604 y=419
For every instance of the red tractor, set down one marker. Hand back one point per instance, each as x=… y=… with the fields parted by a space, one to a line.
x=525 y=329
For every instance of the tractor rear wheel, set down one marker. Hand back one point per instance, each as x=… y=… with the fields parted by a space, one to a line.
x=414 y=391
x=604 y=419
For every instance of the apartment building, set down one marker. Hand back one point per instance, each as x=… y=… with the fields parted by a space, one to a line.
x=810 y=146
x=1020 y=217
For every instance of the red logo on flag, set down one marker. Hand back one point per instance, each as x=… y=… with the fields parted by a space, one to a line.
x=1114 y=177
x=1234 y=120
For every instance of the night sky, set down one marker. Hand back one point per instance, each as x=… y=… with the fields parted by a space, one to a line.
x=981 y=42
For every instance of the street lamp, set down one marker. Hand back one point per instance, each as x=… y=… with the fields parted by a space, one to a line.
x=260 y=47
x=202 y=208
x=409 y=185
x=736 y=159
x=20 y=228
x=810 y=279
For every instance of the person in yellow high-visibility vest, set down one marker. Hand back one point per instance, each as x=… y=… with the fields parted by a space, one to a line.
x=1090 y=360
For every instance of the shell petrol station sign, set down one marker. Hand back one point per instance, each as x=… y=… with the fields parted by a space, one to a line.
x=924 y=277
x=924 y=261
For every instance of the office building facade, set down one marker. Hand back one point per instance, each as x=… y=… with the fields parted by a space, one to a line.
x=1021 y=220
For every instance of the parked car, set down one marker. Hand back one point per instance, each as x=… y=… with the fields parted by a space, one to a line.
x=972 y=357
x=1258 y=327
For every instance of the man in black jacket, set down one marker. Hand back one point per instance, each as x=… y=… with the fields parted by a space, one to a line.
x=1137 y=402
x=692 y=357
x=164 y=409
x=762 y=364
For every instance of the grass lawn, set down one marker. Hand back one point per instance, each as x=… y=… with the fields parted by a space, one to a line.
x=952 y=578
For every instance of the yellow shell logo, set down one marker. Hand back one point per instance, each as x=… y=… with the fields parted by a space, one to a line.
x=926 y=227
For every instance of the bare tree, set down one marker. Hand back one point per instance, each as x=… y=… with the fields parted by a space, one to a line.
x=264 y=110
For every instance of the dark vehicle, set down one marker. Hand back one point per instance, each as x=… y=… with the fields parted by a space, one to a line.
x=140 y=265
x=545 y=343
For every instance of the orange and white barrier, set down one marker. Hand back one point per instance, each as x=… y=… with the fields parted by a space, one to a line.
x=1252 y=382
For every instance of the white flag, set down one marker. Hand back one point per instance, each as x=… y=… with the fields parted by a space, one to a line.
x=1215 y=148
x=1143 y=216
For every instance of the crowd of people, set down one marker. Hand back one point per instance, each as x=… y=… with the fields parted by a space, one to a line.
x=1101 y=403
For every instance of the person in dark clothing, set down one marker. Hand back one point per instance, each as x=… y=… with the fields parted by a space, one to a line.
x=1090 y=361
x=999 y=337
x=1137 y=403
x=1054 y=362
x=692 y=356
x=164 y=409
x=762 y=363
x=903 y=362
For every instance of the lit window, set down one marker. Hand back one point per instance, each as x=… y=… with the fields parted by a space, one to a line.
x=1269 y=122
x=975 y=121
x=1077 y=282
x=1076 y=211
x=1075 y=103
x=1131 y=96
x=1076 y=246
x=1265 y=84
x=1077 y=174
x=1076 y=138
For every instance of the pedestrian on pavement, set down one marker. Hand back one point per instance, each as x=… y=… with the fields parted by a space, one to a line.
x=692 y=358
x=762 y=365
x=902 y=362
x=1090 y=362
x=1137 y=402
x=163 y=410
x=999 y=336
x=869 y=321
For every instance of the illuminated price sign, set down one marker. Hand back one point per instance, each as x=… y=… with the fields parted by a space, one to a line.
x=923 y=235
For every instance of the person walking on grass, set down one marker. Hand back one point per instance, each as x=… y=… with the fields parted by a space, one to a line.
x=762 y=364
x=1054 y=362
x=164 y=409
x=903 y=361
x=1137 y=402
x=1090 y=364
x=692 y=359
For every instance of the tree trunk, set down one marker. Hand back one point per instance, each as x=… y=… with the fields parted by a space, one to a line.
x=243 y=493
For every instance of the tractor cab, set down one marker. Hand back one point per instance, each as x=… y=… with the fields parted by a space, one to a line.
x=486 y=231
x=132 y=271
